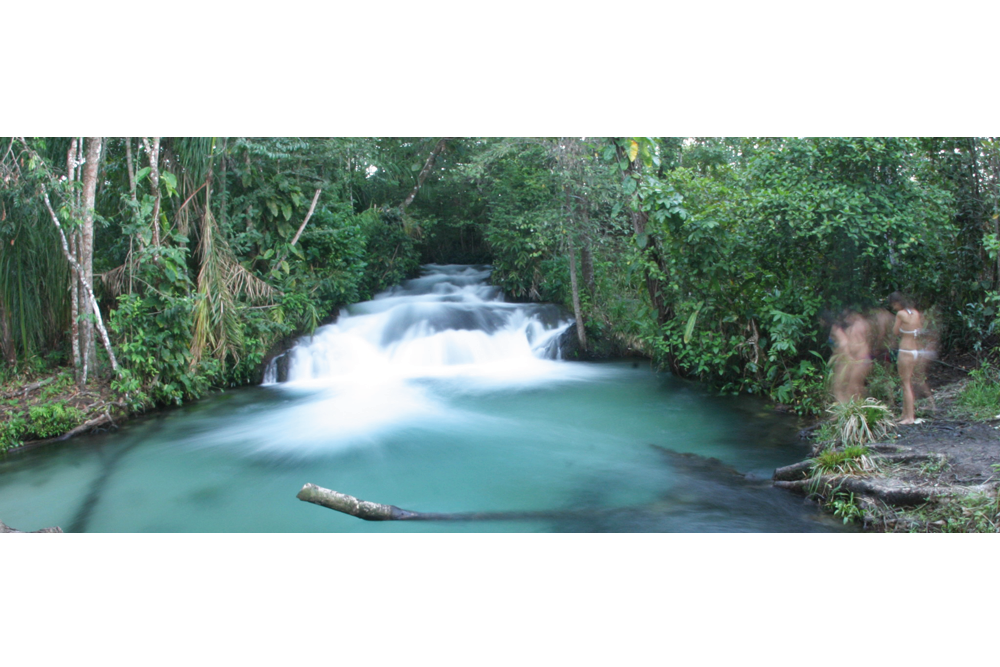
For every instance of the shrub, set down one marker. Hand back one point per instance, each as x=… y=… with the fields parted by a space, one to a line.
x=51 y=419
x=12 y=431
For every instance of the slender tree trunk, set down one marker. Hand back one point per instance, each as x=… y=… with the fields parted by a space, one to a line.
x=153 y=151
x=425 y=171
x=577 y=311
x=74 y=293
x=586 y=257
x=90 y=171
x=131 y=167
x=74 y=279
x=78 y=269
x=305 y=222
x=6 y=340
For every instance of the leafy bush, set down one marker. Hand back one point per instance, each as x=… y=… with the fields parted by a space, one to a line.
x=12 y=431
x=51 y=419
x=152 y=335
x=844 y=506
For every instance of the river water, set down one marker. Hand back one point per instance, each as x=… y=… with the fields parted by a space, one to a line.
x=435 y=396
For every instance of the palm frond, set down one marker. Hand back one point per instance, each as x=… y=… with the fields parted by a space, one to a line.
x=239 y=281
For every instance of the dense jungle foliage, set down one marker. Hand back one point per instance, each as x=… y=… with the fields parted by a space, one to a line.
x=712 y=256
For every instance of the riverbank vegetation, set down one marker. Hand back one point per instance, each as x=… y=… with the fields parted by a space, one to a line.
x=149 y=270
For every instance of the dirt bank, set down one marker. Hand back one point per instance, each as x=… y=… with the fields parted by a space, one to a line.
x=52 y=407
x=940 y=475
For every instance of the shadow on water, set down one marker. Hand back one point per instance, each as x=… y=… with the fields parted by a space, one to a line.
x=109 y=462
x=703 y=488
x=695 y=487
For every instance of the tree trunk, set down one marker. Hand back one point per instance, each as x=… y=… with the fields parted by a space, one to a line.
x=6 y=340
x=74 y=288
x=90 y=170
x=131 y=167
x=78 y=270
x=577 y=311
x=154 y=174
x=305 y=222
x=425 y=171
x=587 y=267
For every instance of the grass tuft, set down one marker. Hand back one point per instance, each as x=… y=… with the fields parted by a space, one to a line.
x=861 y=422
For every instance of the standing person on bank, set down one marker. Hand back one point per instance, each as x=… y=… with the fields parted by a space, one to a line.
x=913 y=355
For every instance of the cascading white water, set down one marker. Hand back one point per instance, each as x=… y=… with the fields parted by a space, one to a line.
x=401 y=360
x=447 y=323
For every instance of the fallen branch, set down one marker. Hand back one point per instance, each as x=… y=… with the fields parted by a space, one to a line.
x=87 y=425
x=369 y=511
x=350 y=505
x=27 y=389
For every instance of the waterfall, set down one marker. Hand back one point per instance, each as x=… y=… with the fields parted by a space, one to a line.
x=447 y=323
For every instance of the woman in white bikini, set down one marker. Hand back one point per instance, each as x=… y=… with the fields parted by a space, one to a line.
x=913 y=356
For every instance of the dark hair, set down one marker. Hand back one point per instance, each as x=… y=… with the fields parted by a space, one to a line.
x=901 y=299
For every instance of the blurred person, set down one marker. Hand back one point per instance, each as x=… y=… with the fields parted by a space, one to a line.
x=851 y=355
x=915 y=351
x=880 y=338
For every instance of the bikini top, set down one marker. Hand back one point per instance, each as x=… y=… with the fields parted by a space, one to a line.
x=915 y=332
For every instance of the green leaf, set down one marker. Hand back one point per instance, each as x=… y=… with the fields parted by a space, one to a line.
x=286 y=210
x=628 y=187
x=142 y=173
x=284 y=267
x=169 y=179
x=689 y=329
x=272 y=206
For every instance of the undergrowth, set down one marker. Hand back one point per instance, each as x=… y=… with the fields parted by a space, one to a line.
x=980 y=399
x=38 y=423
x=975 y=513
